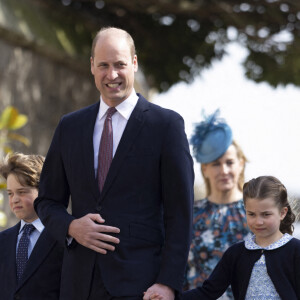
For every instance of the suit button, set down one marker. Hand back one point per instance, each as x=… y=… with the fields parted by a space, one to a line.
x=98 y=208
x=17 y=297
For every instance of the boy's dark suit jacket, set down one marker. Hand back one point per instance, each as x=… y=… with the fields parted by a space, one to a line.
x=148 y=194
x=41 y=278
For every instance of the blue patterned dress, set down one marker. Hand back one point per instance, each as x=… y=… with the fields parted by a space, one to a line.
x=215 y=228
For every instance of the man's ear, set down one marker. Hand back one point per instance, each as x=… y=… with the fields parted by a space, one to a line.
x=92 y=65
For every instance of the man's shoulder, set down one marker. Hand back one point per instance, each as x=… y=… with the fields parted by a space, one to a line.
x=85 y=110
x=158 y=110
x=81 y=117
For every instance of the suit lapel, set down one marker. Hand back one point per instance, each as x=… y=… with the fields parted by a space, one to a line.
x=88 y=146
x=10 y=253
x=40 y=251
x=131 y=131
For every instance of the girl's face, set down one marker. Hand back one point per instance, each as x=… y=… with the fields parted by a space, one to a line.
x=263 y=218
x=21 y=199
x=223 y=174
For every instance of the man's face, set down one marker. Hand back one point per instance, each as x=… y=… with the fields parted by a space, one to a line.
x=113 y=68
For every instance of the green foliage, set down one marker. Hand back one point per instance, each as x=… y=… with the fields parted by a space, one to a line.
x=177 y=39
x=3 y=217
x=10 y=120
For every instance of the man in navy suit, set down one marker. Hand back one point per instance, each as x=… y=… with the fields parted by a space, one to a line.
x=133 y=234
x=36 y=275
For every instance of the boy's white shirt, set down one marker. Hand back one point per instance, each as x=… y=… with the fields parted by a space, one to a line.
x=39 y=227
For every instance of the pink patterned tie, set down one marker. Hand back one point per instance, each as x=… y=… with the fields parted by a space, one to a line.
x=106 y=148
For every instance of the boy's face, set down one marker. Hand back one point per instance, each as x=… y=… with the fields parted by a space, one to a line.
x=21 y=199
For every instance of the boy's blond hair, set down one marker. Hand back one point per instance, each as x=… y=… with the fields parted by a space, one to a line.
x=26 y=168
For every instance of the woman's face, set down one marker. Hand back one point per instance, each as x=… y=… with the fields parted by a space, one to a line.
x=223 y=174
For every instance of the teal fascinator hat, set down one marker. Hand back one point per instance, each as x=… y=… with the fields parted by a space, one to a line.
x=211 y=139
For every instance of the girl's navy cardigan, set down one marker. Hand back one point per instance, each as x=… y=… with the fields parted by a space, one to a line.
x=235 y=267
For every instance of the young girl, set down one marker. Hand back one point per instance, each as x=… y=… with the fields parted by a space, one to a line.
x=267 y=265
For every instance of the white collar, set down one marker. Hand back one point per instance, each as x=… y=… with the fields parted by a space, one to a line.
x=251 y=245
x=36 y=223
x=125 y=108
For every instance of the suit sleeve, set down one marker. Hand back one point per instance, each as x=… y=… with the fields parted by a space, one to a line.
x=177 y=177
x=53 y=199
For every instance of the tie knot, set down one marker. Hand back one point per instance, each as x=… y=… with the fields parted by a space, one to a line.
x=28 y=229
x=110 y=112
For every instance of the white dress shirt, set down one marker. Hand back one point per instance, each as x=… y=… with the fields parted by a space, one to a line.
x=39 y=227
x=119 y=122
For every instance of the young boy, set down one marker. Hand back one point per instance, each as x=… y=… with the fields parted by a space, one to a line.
x=30 y=259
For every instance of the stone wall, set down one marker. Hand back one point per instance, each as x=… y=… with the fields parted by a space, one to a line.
x=43 y=90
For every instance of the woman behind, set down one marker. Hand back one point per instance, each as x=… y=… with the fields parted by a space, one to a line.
x=219 y=218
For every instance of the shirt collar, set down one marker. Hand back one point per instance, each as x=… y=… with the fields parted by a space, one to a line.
x=36 y=223
x=251 y=245
x=125 y=108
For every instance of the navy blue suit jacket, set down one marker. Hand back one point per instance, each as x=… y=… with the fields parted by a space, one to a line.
x=41 y=278
x=148 y=194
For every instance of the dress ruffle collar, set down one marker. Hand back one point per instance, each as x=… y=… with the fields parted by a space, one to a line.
x=251 y=245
